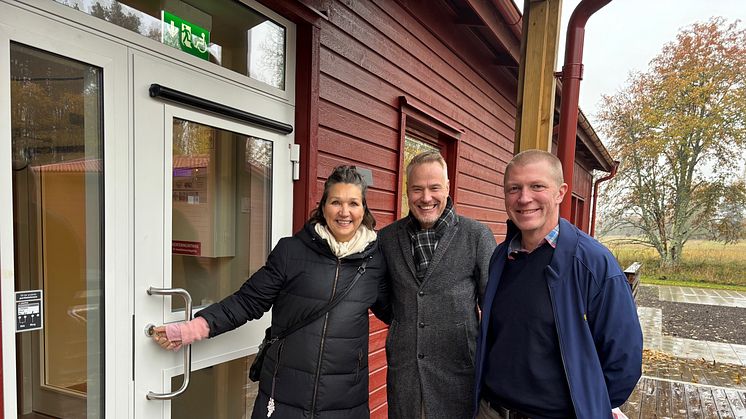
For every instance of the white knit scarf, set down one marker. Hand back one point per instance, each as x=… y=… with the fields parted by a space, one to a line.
x=363 y=236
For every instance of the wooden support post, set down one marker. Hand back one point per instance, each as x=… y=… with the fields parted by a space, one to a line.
x=536 y=83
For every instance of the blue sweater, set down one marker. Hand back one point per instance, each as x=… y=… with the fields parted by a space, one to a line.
x=596 y=318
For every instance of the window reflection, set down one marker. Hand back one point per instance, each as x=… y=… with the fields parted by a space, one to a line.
x=221 y=188
x=56 y=138
x=412 y=147
x=266 y=57
x=240 y=39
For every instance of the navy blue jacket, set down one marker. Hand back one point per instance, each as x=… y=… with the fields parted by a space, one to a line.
x=599 y=333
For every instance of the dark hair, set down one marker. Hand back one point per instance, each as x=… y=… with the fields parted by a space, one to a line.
x=343 y=174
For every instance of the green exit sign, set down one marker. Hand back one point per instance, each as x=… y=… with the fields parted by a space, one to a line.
x=184 y=35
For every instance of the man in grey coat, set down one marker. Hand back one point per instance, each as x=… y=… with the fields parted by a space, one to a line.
x=438 y=266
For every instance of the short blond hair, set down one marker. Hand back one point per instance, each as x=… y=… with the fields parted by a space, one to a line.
x=537 y=156
x=427 y=157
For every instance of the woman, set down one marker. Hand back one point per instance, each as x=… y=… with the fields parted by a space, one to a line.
x=320 y=370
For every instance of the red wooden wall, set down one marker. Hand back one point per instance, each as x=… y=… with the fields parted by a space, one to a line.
x=371 y=53
x=354 y=64
x=356 y=59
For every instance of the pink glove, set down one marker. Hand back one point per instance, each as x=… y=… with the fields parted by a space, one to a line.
x=184 y=333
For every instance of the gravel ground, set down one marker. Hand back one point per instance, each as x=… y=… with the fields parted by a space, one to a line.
x=697 y=321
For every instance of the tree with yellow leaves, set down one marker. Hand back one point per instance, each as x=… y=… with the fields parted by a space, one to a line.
x=679 y=129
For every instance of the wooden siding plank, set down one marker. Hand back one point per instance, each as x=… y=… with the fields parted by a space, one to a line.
x=379 y=412
x=377 y=359
x=340 y=119
x=377 y=397
x=482 y=214
x=375 y=198
x=375 y=324
x=440 y=54
x=383 y=218
x=377 y=340
x=581 y=182
x=490 y=175
x=338 y=144
x=480 y=200
x=382 y=179
x=368 y=35
x=481 y=135
x=418 y=86
x=468 y=182
x=377 y=378
x=498 y=230
x=344 y=95
x=485 y=155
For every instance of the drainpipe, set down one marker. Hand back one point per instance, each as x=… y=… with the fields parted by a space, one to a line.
x=572 y=73
x=595 y=195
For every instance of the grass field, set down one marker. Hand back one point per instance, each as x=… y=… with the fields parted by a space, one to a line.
x=704 y=263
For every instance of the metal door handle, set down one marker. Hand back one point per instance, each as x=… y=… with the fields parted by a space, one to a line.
x=187 y=350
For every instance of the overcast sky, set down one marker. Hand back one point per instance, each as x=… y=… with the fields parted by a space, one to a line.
x=626 y=34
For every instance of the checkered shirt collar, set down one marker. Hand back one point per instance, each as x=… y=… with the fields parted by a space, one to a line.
x=514 y=246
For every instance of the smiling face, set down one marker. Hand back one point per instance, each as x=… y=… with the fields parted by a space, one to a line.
x=532 y=199
x=427 y=192
x=343 y=210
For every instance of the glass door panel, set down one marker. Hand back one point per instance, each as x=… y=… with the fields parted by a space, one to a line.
x=57 y=142
x=219 y=391
x=221 y=200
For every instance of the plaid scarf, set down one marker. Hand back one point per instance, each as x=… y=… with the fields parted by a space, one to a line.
x=424 y=241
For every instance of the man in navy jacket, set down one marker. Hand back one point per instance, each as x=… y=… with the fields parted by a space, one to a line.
x=559 y=333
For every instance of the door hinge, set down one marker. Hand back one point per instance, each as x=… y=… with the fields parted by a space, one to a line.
x=295 y=160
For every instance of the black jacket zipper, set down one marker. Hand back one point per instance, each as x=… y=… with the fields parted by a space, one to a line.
x=321 y=345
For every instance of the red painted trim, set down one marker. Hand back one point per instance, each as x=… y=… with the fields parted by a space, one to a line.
x=418 y=111
x=400 y=173
x=295 y=11
x=306 y=121
x=453 y=159
x=448 y=138
x=511 y=15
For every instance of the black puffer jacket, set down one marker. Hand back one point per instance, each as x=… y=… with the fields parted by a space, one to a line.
x=322 y=370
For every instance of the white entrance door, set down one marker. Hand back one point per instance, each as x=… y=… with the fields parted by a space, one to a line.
x=212 y=194
x=107 y=191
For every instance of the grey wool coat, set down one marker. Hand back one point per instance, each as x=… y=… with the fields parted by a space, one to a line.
x=431 y=342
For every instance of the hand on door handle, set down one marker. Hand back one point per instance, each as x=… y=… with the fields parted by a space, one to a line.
x=161 y=338
x=173 y=336
x=187 y=351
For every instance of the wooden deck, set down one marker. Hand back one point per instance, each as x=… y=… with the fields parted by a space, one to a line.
x=661 y=398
